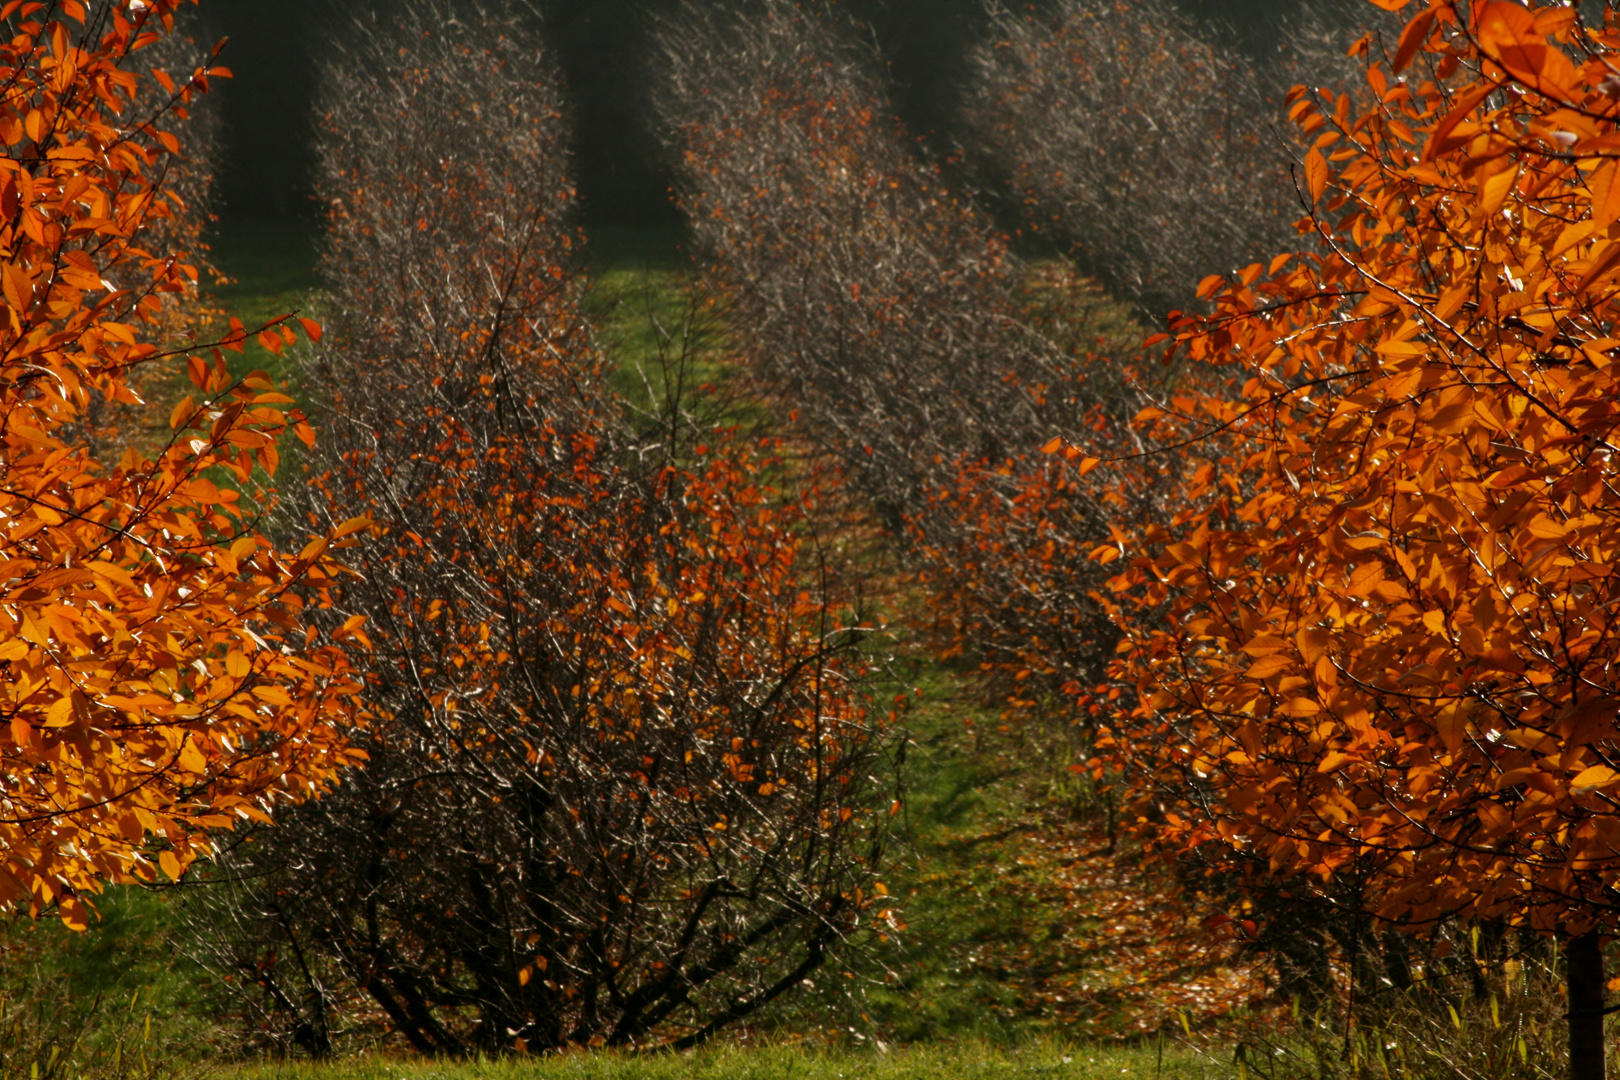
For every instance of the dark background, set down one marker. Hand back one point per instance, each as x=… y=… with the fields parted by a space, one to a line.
x=602 y=45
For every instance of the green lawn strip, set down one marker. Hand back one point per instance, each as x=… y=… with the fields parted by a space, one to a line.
x=270 y=272
x=126 y=979
x=960 y=967
x=941 y=1061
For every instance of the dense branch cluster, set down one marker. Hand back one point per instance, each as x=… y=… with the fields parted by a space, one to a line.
x=621 y=777
x=868 y=295
x=1126 y=133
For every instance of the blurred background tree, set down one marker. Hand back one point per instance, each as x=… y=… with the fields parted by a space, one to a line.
x=601 y=44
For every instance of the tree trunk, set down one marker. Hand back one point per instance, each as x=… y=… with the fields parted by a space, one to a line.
x=1585 y=960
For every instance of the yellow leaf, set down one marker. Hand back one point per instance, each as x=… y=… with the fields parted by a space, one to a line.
x=171 y=865
x=191 y=759
x=1597 y=776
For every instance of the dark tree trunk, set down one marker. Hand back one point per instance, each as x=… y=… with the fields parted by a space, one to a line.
x=1586 y=1008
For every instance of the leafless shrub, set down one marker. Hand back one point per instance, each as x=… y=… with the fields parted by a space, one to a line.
x=1124 y=132
x=871 y=297
x=621 y=785
x=1163 y=155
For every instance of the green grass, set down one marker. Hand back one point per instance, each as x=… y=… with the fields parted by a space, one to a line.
x=949 y=1061
x=129 y=969
x=270 y=272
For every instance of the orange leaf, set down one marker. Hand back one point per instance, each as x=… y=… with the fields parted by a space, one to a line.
x=1546 y=528
x=1605 y=202
x=1317 y=174
x=19 y=290
x=191 y=759
x=1438 y=140
x=1412 y=39
x=1494 y=191
x=183 y=412
x=1508 y=32
x=1268 y=666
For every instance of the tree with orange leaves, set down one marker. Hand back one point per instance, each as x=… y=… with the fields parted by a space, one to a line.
x=624 y=779
x=1382 y=638
x=158 y=681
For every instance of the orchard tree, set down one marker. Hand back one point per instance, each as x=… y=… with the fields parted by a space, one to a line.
x=159 y=680
x=1380 y=641
x=1159 y=151
x=879 y=306
x=867 y=294
x=623 y=786
x=1123 y=131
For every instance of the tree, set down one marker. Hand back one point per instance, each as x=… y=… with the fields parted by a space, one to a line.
x=623 y=786
x=159 y=682
x=1380 y=641
x=1150 y=148
x=1158 y=150
x=868 y=295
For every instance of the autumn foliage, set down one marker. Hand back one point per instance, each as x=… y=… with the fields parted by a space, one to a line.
x=1378 y=643
x=623 y=786
x=159 y=680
